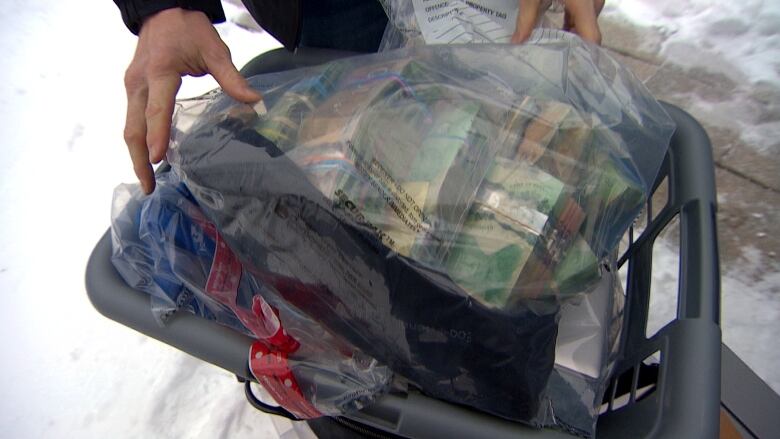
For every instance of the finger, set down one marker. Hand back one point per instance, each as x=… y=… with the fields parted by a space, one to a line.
x=581 y=18
x=159 y=112
x=526 y=20
x=135 y=137
x=226 y=74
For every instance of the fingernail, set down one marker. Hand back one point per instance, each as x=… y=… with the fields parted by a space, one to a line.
x=260 y=108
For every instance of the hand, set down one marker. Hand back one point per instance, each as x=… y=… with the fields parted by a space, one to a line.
x=579 y=17
x=172 y=43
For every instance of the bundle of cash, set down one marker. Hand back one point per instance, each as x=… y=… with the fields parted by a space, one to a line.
x=559 y=234
x=507 y=222
x=543 y=206
x=486 y=258
x=428 y=172
x=392 y=166
x=586 y=155
x=410 y=159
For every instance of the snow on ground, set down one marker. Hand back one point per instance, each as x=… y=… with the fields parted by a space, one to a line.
x=740 y=40
x=67 y=370
x=751 y=314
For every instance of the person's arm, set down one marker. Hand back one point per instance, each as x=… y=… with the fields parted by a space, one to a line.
x=580 y=17
x=134 y=12
x=172 y=42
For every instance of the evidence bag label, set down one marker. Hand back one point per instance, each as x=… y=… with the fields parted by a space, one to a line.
x=466 y=21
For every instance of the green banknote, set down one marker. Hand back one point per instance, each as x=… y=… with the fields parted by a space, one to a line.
x=488 y=255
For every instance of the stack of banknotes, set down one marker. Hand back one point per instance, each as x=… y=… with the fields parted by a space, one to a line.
x=512 y=202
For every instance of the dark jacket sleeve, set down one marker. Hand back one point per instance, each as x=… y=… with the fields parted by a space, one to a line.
x=135 y=11
x=280 y=18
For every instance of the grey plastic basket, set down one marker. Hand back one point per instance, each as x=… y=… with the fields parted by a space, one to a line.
x=679 y=397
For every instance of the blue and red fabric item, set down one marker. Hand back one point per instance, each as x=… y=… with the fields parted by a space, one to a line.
x=164 y=246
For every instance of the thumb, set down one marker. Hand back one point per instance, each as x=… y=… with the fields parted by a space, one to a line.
x=526 y=20
x=231 y=81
